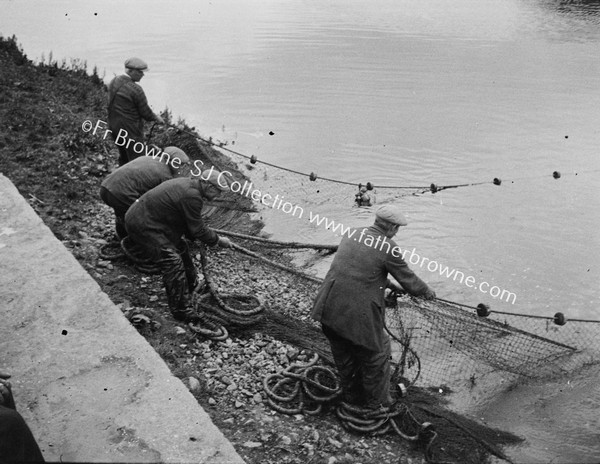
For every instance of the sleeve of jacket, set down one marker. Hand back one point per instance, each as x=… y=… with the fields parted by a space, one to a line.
x=398 y=268
x=139 y=97
x=196 y=228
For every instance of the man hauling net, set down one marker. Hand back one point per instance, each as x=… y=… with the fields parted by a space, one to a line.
x=158 y=222
x=350 y=306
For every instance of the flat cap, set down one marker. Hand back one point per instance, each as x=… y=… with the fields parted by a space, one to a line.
x=136 y=63
x=391 y=214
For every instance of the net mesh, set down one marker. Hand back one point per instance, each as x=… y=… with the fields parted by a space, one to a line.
x=435 y=343
x=294 y=189
x=455 y=345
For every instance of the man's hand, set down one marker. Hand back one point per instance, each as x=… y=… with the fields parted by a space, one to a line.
x=396 y=288
x=429 y=295
x=6 y=398
x=225 y=242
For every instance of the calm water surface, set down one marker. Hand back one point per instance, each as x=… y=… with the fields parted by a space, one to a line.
x=400 y=92
x=396 y=93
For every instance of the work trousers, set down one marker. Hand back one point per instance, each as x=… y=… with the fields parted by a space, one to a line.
x=119 y=208
x=365 y=374
x=179 y=276
x=177 y=268
x=126 y=133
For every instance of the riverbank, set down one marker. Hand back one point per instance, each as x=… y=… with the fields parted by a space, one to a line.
x=58 y=168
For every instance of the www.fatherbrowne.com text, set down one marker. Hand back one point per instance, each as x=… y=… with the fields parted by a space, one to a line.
x=226 y=180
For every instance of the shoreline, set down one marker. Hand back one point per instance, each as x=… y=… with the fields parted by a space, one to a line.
x=58 y=169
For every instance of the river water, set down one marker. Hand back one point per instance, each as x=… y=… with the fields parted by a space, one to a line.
x=395 y=92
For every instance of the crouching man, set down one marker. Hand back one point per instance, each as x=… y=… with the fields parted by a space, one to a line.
x=129 y=182
x=160 y=221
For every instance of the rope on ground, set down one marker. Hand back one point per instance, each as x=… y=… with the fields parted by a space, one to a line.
x=215 y=311
x=142 y=263
x=397 y=418
x=305 y=388
x=302 y=388
x=111 y=251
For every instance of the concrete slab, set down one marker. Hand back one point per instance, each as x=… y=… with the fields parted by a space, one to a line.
x=89 y=386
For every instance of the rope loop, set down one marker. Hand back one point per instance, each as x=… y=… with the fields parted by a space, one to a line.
x=111 y=251
x=216 y=310
x=302 y=388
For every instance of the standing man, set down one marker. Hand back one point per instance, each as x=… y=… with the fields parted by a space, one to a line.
x=351 y=309
x=129 y=182
x=128 y=108
x=158 y=223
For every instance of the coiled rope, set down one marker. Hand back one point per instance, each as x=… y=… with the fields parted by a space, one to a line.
x=141 y=263
x=111 y=251
x=305 y=388
x=215 y=315
x=302 y=388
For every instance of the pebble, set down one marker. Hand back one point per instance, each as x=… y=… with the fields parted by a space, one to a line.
x=194 y=384
x=252 y=444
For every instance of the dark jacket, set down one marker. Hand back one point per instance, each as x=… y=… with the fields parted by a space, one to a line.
x=127 y=107
x=351 y=298
x=129 y=182
x=161 y=216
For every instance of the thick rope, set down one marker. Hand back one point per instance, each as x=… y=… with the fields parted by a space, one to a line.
x=276 y=243
x=301 y=388
x=215 y=316
x=111 y=251
x=142 y=264
x=305 y=388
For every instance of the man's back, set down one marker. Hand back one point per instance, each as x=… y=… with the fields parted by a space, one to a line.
x=168 y=211
x=132 y=180
x=127 y=100
x=351 y=299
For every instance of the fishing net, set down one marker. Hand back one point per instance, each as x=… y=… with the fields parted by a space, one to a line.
x=456 y=347
x=438 y=347
x=294 y=189
x=435 y=343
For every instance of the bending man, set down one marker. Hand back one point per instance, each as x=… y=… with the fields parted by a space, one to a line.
x=158 y=223
x=350 y=306
x=129 y=182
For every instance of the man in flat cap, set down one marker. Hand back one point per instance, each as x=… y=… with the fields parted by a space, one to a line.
x=127 y=110
x=129 y=182
x=159 y=222
x=351 y=309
